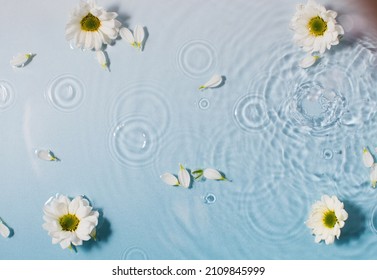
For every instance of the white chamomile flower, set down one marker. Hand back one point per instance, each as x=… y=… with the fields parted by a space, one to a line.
x=367 y=158
x=169 y=179
x=326 y=219
x=46 y=155
x=136 y=39
x=4 y=230
x=21 y=59
x=308 y=61
x=373 y=175
x=102 y=59
x=184 y=177
x=69 y=222
x=90 y=26
x=215 y=81
x=315 y=28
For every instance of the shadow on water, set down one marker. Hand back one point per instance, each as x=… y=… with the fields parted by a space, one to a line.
x=103 y=234
x=355 y=224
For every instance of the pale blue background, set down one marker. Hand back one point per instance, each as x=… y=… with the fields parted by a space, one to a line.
x=278 y=152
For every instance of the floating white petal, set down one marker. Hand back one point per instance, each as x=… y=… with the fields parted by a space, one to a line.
x=21 y=59
x=212 y=174
x=373 y=175
x=213 y=82
x=308 y=61
x=102 y=60
x=4 y=230
x=139 y=36
x=46 y=155
x=367 y=158
x=126 y=34
x=183 y=177
x=169 y=179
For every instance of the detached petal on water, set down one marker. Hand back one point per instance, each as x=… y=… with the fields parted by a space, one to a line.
x=184 y=177
x=215 y=81
x=20 y=60
x=102 y=59
x=4 y=230
x=139 y=36
x=169 y=179
x=373 y=175
x=212 y=174
x=367 y=158
x=126 y=34
x=308 y=61
x=46 y=155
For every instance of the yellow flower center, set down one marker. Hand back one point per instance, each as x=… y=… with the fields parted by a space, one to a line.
x=329 y=219
x=90 y=23
x=69 y=222
x=317 y=26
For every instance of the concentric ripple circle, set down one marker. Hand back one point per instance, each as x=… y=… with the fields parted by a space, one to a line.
x=197 y=58
x=278 y=215
x=142 y=98
x=250 y=113
x=133 y=141
x=65 y=93
x=134 y=253
x=7 y=95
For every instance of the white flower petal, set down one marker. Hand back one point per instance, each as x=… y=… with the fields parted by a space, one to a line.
x=212 y=174
x=126 y=34
x=4 y=230
x=308 y=61
x=46 y=155
x=213 y=82
x=20 y=60
x=139 y=35
x=367 y=158
x=169 y=179
x=102 y=59
x=373 y=175
x=184 y=177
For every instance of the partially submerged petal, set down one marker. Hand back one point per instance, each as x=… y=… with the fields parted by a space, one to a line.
x=367 y=158
x=20 y=60
x=102 y=59
x=373 y=175
x=308 y=61
x=213 y=82
x=4 y=230
x=212 y=174
x=169 y=179
x=184 y=177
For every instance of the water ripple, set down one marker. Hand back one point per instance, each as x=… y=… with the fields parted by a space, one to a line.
x=197 y=58
x=7 y=95
x=65 y=93
x=133 y=141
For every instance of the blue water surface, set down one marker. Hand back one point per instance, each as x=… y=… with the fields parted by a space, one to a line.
x=284 y=136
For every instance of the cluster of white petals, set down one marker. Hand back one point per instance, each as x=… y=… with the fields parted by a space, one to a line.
x=69 y=222
x=326 y=219
x=184 y=176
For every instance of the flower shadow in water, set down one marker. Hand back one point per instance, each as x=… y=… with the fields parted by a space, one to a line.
x=103 y=233
x=354 y=226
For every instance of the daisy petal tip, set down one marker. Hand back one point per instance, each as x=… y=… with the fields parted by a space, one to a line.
x=46 y=155
x=4 y=230
x=367 y=158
